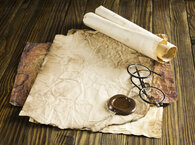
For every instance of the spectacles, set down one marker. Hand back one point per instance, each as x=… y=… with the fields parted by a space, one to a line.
x=147 y=93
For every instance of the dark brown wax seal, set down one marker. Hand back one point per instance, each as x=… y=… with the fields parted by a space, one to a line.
x=121 y=105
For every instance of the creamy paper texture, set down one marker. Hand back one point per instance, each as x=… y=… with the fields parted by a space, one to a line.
x=150 y=125
x=78 y=76
x=130 y=34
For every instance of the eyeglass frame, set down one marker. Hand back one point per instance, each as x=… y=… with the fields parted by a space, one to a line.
x=160 y=103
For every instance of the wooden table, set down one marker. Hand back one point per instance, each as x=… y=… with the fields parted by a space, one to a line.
x=39 y=20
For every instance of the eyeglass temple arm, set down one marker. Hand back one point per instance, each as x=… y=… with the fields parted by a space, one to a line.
x=156 y=73
x=141 y=80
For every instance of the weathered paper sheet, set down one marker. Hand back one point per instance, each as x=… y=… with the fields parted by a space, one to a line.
x=79 y=74
x=150 y=125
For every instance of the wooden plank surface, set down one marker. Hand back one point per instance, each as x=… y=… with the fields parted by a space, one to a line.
x=40 y=20
x=184 y=71
x=190 y=9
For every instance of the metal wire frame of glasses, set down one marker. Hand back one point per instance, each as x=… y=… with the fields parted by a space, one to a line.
x=147 y=93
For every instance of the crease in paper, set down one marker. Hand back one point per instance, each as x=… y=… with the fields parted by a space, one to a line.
x=78 y=76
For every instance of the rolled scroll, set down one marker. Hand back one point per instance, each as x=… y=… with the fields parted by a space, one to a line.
x=130 y=34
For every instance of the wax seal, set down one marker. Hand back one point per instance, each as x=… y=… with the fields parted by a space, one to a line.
x=121 y=105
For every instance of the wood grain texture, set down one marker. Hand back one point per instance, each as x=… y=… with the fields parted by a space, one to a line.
x=193 y=53
x=190 y=9
x=184 y=71
x=40 y=20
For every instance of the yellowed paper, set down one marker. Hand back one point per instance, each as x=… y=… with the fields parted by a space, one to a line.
x=150 y=125
x=79 y=74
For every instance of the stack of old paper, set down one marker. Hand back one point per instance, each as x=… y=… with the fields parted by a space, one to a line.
x=83 y=70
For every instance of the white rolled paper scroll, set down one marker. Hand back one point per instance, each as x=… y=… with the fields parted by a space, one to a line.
x=130 y=34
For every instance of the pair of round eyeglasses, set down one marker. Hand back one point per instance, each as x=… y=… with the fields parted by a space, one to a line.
x=147 y=93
